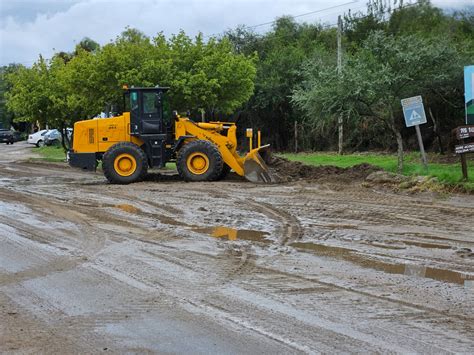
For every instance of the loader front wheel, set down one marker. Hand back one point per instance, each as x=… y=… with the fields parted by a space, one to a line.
x=225 y=171
x=199 y=160
x=124 y=163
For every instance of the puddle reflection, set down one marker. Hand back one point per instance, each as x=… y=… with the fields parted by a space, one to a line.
x=403 y=269
x=234 y=234
x=127 y=208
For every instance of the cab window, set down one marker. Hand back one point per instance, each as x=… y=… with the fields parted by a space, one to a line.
x=134 y=101
x=149 y=102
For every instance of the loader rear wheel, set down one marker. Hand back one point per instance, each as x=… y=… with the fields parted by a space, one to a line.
x=199 y=160
x=124 y=163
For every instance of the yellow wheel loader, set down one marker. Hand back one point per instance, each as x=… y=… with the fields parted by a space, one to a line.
x=148 y=135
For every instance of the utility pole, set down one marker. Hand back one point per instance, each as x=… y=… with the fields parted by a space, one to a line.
x=296 y=136
x=339 y=70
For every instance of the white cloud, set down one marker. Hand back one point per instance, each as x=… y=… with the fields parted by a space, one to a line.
x=23 y=39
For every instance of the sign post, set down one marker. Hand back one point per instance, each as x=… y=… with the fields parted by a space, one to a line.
x=414 y=113
x=463 y=133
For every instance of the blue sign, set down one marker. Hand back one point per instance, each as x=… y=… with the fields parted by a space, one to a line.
x=414 y=111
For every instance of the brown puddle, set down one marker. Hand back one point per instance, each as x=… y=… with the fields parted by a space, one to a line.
x=411 y=243
x=234 y=234
x=127 y=208
x=385 y=246
x=163 y=219
x=427 y=245
x=366 y=262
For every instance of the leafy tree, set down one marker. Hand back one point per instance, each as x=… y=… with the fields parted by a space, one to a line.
x=28 y=97
x=6 y=116
x=204 y=76
x=281 y=53
x=375 y=79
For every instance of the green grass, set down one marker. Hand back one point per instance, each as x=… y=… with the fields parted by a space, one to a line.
x=447 y=173
x=51 y=153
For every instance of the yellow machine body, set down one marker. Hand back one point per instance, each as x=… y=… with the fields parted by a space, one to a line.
x=130 y=143
x=99 y=134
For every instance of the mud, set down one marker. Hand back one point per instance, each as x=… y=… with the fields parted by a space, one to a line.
x=316 y=264
x=285 y=170
x=370 y=261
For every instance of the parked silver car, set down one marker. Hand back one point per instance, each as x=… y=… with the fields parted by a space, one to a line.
x=53 y=137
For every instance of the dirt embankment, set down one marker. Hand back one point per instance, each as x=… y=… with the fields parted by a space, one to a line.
x=285 y=170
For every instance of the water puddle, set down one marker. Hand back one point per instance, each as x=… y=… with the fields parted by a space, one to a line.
x=410 y=243
x=234 y=234
x=127 y=208
x=162 y=218
x=385 y=246
x=427 y=245
x=391 y=268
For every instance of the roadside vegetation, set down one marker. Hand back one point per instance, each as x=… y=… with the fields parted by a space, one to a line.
x=447 y=171
x=51 y=154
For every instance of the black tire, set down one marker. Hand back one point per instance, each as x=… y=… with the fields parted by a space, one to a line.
x=40 y=143
x=205 y=148
x=225 y=171
x=124 y=149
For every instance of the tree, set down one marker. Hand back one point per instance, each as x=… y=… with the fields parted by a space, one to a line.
x=6 y=116
x=28 y=97
x=281 y=53
x=375 y=79
x=207 y=76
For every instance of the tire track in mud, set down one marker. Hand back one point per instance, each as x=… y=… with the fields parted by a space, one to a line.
x=246 y=258
x=284 y=278
x=358 y=210
x=52 y=209
x=290 y=229
x=244 y=269
x=206 y=294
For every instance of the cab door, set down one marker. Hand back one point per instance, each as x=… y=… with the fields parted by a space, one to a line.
x=147 y=116
x=152 y=116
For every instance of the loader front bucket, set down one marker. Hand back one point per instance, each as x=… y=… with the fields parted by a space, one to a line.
x=255 y=168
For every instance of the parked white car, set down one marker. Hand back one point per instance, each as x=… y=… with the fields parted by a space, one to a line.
x=37 y=138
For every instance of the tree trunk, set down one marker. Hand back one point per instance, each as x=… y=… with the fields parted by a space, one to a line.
x=436 y=131
x=398 y=135
x=296 y=136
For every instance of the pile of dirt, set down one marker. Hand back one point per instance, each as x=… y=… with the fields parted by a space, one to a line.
x=285 y=170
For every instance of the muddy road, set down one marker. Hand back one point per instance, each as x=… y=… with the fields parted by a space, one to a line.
x=165 y=266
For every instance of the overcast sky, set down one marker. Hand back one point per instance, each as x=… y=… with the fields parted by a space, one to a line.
x=31 y=27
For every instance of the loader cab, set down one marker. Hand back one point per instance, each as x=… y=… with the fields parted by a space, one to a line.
x=149 y=109
x=151 y=121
